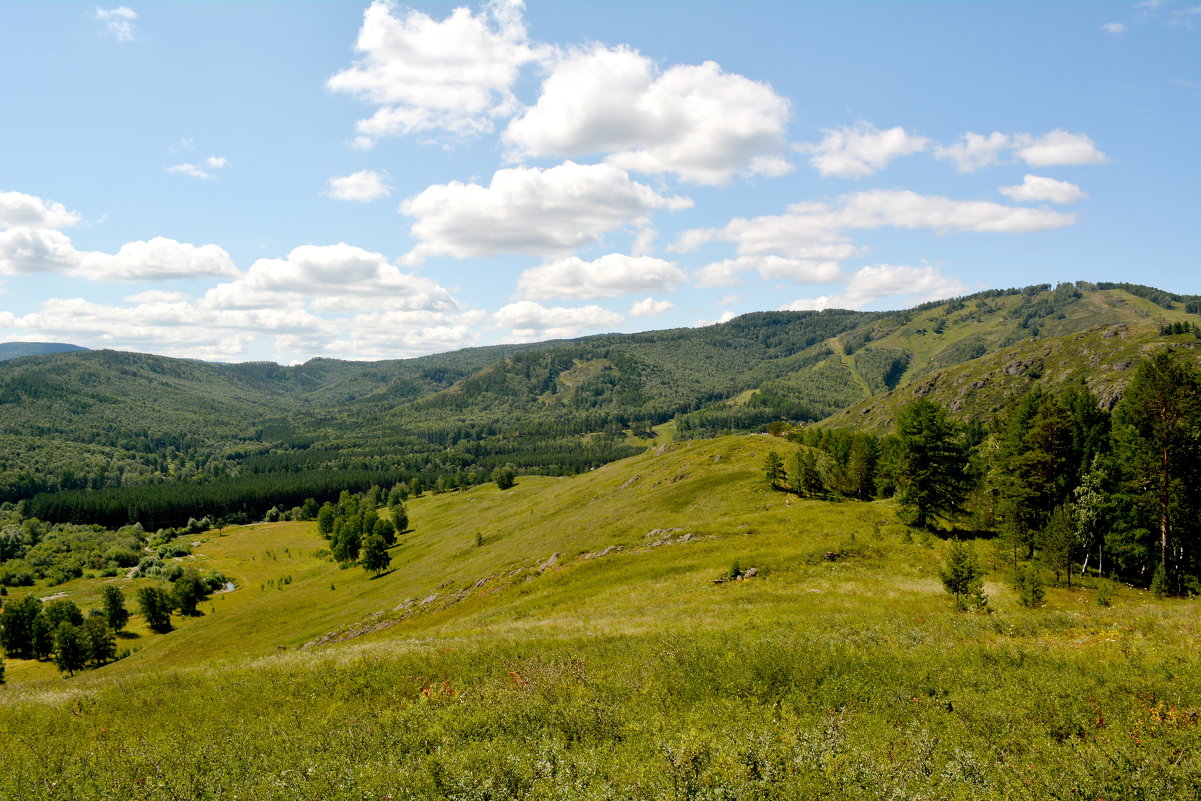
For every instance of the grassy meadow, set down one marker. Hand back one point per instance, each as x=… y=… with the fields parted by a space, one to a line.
x=566 y=639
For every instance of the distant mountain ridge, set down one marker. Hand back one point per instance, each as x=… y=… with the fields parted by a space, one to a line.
x=15 y=350
x=105 y=419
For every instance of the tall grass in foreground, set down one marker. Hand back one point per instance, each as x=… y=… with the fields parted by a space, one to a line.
x=945 y=709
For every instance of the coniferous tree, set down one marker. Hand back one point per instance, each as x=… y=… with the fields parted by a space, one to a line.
x=930 y=470
x=1059 y=542
x=1157 y=442
x=962 y=578
x=1028 y=582
x=773 y=470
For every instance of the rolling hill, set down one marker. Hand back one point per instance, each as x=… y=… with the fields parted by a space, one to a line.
x=582 y=647
x=107 y=420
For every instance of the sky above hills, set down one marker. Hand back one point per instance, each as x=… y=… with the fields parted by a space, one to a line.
x=274 y=180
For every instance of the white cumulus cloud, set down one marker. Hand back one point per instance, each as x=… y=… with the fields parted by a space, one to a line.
x=1059 y=147
x=32 y=250
x=423 y=74
x=769 y=266
x=156 y=259
x=19 y=210
x=912 y=284
x=530 y=210
x=1035 y=188
x=528 y=321
x=1114 y=27
x=974 y=151
x=650 y=307
x=856 y=151
x=363 y=186
x=337 y=278
x=696 y=121
x=609 y=276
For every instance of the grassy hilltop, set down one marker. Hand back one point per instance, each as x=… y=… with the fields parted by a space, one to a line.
x=481 y=667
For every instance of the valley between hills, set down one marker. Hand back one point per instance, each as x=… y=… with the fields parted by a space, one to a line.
x=914 y=554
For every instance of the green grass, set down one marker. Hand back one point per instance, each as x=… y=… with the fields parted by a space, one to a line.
x=629 y=675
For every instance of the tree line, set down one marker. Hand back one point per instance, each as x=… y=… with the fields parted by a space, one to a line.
x=1056 y=479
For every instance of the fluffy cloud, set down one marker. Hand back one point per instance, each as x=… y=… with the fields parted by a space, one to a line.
x=906 y=209
x=769 y=266
x=528 y=321
x=32 y=250
x=363 y=186
x=808 y=243
x=1058 y=147
x=816 y=230
x=340 y=278
x=203 y=171
x=859 y=150
x=18 y=210
x=118 y=22
x=1114 y=27
x=160 y=258
x=649 y=307
x=869 y=284
x=606 y=277
x=529 y=210
x=395 y=334
x=36 y=250
x=1034 y=188
x=455 y=74
x=975 y=151
x=695 y=121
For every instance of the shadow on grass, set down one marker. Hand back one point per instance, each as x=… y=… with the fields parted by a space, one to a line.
x=381 y=575
x=128 y=635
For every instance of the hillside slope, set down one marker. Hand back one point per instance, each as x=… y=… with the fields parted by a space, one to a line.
x=496 y=671
x=105 y=419
x=1103 y=359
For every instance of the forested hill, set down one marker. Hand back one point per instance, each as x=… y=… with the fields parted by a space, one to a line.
x=15 y=350
x=113 y=422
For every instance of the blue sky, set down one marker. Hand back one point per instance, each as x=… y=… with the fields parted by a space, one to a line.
x=237 y=181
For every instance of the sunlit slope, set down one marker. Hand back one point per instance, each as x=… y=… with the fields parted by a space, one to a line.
x=1103 y=359
x=672 y=520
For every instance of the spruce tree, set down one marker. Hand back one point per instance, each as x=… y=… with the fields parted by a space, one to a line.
x=930 y=469
x=773 y=470
x=962 y=578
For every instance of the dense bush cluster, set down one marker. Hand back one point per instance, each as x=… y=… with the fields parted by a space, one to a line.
x=58 y=630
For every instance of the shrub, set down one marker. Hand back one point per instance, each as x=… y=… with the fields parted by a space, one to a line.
x=963 y=579
x=1028 y=583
